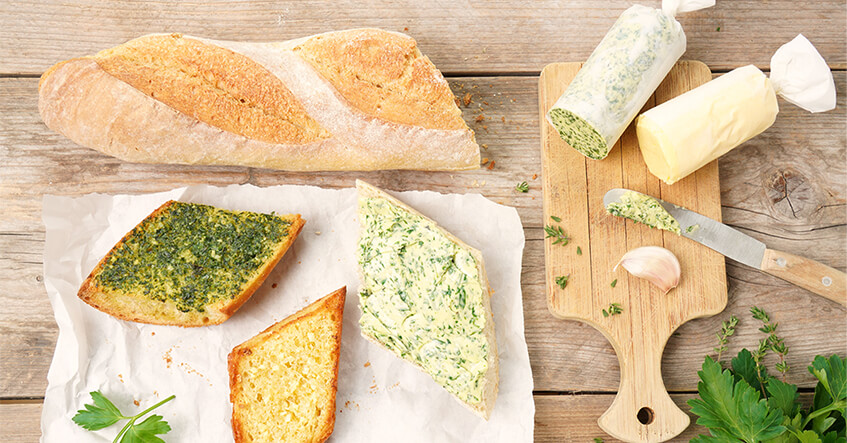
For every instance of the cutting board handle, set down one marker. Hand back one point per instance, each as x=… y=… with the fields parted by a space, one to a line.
x=806 y=273
x=643 y=411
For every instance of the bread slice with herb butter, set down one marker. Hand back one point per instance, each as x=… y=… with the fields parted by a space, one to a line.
x=425 y=297
x=283 y=381
x=189 y=264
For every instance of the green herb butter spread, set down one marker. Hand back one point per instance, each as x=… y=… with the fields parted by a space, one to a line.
x=644 y=209
x=192 y=254
x=422 y=296
x=617 y=79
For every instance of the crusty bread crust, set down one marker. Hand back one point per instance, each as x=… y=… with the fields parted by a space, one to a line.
x=81 y=100
x=140 y=309
x=491 y=379
x=334 y=302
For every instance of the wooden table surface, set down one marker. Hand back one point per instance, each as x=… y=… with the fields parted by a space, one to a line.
x=786 y=187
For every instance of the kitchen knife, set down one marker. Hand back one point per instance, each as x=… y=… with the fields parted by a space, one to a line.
x=809 y=274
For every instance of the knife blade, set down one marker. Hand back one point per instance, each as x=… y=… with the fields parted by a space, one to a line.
x=707 y=231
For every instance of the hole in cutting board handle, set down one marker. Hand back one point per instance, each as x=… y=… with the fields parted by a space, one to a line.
x=645 y=416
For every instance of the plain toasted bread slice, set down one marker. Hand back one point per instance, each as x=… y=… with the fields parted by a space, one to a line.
x=188 y=264
x=283 y=381
x=490 y=378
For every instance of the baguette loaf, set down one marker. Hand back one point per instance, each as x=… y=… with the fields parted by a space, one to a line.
x=188 y=264
x=283 y=381
x=362 y=99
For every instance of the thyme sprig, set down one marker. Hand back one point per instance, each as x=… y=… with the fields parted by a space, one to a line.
x=557 y=233
x=727 y=330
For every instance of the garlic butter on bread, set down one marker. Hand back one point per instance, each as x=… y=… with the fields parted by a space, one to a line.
x=425 y=297
x=283 y=381
x=189 y=264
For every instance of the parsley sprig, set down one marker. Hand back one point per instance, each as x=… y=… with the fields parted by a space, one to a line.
x=745 y=404
x=612 y=310
x=103 y=413
x=562 y=280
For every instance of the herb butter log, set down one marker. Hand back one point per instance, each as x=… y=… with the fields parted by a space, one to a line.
x=362 y=99
x=425 y=297
x=684 y=134
x=620 y=76
x=188 y=264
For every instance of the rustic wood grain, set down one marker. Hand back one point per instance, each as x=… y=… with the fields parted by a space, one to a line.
x=801 y=159
x=494 y=36
x=558 y=418
x=649 y=317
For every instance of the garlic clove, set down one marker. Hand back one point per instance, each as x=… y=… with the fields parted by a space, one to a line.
x=654 y=264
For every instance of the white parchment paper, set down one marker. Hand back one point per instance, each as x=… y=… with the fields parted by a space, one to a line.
x=381 y=398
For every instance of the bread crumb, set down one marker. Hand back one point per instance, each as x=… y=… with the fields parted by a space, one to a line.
x=479 y=118
x=367 y=363
x=484 y=145
x=317 y=232
x=467 y=99
x=534 y=176
x=167 y=357
x=274 y=285
x=485 y=127
x=491 y=165
x=484 y=161
x=153 y=333
x=121 y=377
x=136 y=403
x=406 y=28
x=503 y=119
x=485 y=103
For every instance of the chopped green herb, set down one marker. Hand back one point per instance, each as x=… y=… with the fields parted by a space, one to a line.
x=613 y=309
x=578 y=250
x=692 y=228
x=719 y=29
x=557 y=233
x=614 y=282
x=598 y=440
x=522 y=187
x=556 y=219
x=562 y=280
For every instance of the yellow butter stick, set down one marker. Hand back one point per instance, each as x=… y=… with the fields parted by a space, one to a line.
x=686 y=133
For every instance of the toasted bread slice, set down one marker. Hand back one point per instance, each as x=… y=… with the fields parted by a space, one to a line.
x=426 y=298
x=188 y=264
x=283 y=381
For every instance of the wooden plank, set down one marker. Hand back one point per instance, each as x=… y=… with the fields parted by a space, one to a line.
x=649 y=317
x=498 y=36
x=566 y=356
x=558 y=418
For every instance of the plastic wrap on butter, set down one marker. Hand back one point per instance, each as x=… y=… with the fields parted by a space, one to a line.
x=686 y=133
x=620 y=76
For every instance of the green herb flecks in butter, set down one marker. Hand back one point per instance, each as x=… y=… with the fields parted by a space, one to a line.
x=644 y=209
x=192 y=254
x=579 y=134
x=422 y=297
x=617 y=80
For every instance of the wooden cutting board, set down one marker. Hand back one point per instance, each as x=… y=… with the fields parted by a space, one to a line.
x=573 y=190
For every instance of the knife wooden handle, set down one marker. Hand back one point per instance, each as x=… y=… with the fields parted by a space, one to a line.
x=809 y=274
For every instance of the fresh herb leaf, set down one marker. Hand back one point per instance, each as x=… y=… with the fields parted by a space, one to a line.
x=562 y=280
x=102 y=414
x=731 y=408
x=578 y=250
x=727 y=330
x=146 y=431
x=557 y=233
x=522 y=187
x=744 y=367
x=556 y=219
x=598 y=440
x=614 y=283
x=783 y=396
